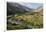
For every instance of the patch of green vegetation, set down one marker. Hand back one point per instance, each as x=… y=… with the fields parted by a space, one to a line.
x=35 y=20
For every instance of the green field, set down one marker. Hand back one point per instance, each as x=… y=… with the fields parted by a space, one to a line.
x=26 y=21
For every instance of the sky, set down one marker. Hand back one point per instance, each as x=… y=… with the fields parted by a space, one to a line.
x=32 y=5
x=28 y=3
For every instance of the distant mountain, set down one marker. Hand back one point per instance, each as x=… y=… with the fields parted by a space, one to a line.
x=13 y=8
x=16 y=7
x=39 y=10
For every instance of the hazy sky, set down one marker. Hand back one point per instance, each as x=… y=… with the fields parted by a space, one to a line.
x=27 y=4
x=32 y=5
